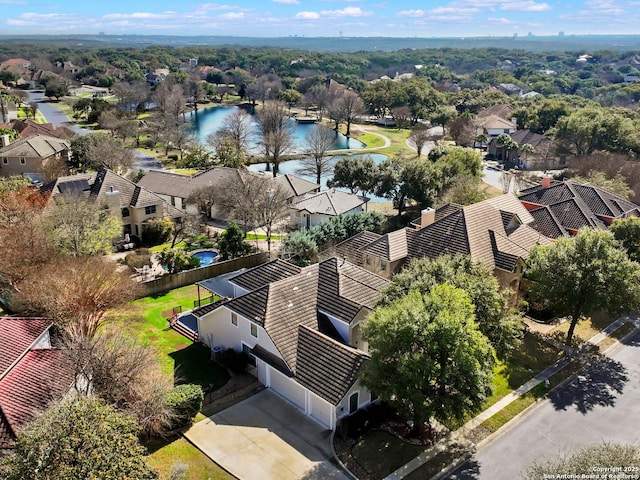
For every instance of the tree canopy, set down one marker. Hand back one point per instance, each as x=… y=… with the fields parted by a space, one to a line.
x=428 y=357
x=501 y=324
x=584 y=274
x=79 y=438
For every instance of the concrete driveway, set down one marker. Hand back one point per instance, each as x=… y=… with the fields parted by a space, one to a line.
x=265 y=438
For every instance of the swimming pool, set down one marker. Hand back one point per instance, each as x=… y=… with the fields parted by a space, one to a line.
x=206 y=257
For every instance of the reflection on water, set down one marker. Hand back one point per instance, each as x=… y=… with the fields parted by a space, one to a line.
x=292 y=166
x=209 y=120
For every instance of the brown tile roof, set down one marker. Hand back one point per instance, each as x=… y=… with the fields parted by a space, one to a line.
x=325 y=366
x=389 y=247
x=265 y=274
x=494 y=231
x=329 y=202
x=338 y=288
x=546 y=223
x=502 y=110
x=35 y=146
x=345 y=288
x=351 y=248
x=96 y=186
x=28 y=127
x=576 y=205
x=181 y=186
x=17 y=336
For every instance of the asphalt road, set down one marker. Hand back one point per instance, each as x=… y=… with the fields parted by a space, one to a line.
x=58 y=118
x=600 y=405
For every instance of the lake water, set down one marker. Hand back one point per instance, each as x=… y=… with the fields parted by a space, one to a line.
x=209 y=120
x=292 y=166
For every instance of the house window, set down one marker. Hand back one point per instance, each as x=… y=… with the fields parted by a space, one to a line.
x=254 y=330
x=125 y=212
x=5 y=161
x=150 y=210
x=353 y=403
x=246 y=349
x=23 y=161
x=234 y=319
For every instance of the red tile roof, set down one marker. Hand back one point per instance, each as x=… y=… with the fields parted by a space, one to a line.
x=17 y=335
x=42 y=376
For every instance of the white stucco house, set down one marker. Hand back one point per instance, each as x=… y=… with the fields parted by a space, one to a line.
x=301 y=329
x=317 y=207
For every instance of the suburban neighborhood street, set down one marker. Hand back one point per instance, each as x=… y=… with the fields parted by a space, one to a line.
x=600 y=405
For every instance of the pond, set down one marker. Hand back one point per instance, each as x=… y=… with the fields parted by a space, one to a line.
x=292 y=166
x=209 y=120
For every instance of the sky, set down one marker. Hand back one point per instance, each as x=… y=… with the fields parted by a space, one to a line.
x=321 y=18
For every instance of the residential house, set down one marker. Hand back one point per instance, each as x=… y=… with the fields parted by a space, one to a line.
x=32 y=154
x=561 y=208
x=510 y=89
x=32 y=374
x=28 y=127
x=302 y=333
x=497 y=232
x=15 y=62
x=493 y=125
x=543 y=156
x=175 y=189
x=131 y=203
x=315 y=208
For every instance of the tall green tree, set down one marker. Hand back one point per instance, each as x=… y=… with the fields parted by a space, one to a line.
x=627 y=232
x=582 y=275
x=501 y=324
x=355 y=173
x=79 y=438
x=232 y=243
x=428 y=358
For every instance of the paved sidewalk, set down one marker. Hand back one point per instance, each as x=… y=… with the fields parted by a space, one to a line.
x=459 y=435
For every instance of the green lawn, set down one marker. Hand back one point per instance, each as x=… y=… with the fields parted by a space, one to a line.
x=147 y=320
x=260 y=236
x=200 y=466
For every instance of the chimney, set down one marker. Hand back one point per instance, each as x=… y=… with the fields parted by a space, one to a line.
x=514 y=120
x=4 y=141
x=427 y=217
x=113 y=201
x=546 y=180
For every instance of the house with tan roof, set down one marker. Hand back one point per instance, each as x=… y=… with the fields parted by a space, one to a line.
x=563 y=208
x=32 y=154
x=129 y=202
x=301 y=328
x=315 y=208
x=543 y=156
x=32 y=374
x=175 y=188
x=497 y=232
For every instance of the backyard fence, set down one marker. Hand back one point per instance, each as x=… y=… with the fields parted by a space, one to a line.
x=189 y=277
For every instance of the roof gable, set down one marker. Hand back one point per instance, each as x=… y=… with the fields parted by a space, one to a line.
x=329 y=202
x=265 y=274
x=35 y=146
x=325 y=366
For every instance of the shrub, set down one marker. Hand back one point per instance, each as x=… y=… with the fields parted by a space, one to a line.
x=136 y=260
x=185 y=401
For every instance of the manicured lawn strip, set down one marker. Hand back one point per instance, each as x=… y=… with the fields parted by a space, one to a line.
x=261 y=236
x=437 y=463
x=514 y=408
x=200 y=466
x=370 y=140
x=381 y=453
x=617 y=334
x=533 y=356
x=585 y=329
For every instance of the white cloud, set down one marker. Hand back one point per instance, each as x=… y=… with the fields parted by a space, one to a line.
x=346 y=12
x=308 y=15
x=529 y=6
x=287 y=2
x=412 y=13
x=232 y=15
x=501 y=21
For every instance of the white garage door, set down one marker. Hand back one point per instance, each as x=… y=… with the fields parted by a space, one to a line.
x=321 y=411
x=287 y=388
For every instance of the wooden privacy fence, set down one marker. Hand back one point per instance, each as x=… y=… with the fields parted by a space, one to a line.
x=189 y=277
